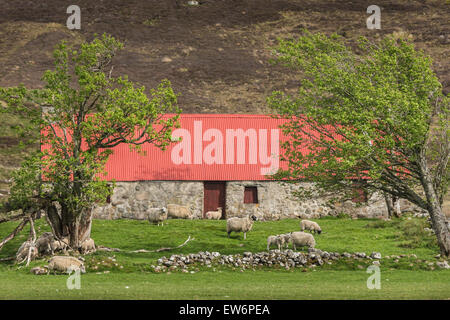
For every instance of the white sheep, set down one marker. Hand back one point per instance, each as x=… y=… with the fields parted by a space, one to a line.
x=43 y=243
x=87 y=246
x=214 y=215
x=302 y=239
x=157 y=215
x=38 y=271
x=47 y=244
x=286 y=238
x=277 y=240
x=311 y=226
x=237 y=224
x=65 y=264
x=59 y=245
x=176 y=211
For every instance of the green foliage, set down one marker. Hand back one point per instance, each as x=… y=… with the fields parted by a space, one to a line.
x=26 y=183
x=343 y=215
x=377 y=115
x=413 y=234
x=377 y=224
x=88 y=111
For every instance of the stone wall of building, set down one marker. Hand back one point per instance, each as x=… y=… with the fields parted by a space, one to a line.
x=132 y=199
x=275 y=201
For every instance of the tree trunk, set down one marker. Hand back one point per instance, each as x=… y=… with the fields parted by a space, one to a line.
x=437 y=217
x=78 y=228
x=440 y=228
x=75 y=226
x=54 y=220
x=397 y=208
x=389 y=205
x=393 y=205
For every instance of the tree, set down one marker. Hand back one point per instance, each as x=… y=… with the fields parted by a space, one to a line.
x=87 y=112
x=379 y=117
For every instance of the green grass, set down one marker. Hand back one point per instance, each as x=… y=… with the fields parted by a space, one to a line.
x=345 y=279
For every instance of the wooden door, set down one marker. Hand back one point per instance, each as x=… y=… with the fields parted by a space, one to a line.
x=214 y=197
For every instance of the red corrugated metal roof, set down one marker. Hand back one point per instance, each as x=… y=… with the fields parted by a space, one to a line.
x=212 y=148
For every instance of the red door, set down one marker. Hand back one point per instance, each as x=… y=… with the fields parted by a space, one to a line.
x=214 y=196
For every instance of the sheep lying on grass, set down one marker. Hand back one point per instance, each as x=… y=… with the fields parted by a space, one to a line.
x=277 y=240
x=311 y=226
x=28 y=247
x=65 y=264
x=157 y=215
x=59 y=245
x=88 y=246
x=38 y=270
x=302 y=239
x=237 y=224
x=214 y=215
x=43 y=243
x=176 y=211
x=47 y=244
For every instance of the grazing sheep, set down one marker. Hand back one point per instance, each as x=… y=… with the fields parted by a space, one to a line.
x=87 y=246
x=176 y=211
x=311 y=226
x=214 y=215
x=157 y=215
x=64 y=263
x=244 y=224
x=302 y=239
x=277 y=240
x=25 y=248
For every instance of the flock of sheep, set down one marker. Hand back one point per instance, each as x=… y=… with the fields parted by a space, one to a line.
x=244 y=225
x=47 y=244
x=297 y=238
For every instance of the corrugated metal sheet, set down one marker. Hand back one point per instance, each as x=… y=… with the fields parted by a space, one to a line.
x=126 y=165
x=215 y=147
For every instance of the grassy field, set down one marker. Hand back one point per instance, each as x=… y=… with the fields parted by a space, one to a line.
x=130 y=276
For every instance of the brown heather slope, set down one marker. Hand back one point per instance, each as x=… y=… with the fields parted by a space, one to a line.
x=219 y=50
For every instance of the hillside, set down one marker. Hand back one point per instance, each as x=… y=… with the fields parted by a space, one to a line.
x=215 y=54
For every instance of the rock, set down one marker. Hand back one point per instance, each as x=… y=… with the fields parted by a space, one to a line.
x=38 y=271
x=376 y=262
x=375 y=255
x=361 y=254
x=166 y=59
x=347 y=255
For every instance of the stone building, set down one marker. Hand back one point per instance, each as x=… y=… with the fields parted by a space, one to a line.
x=216 y=161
